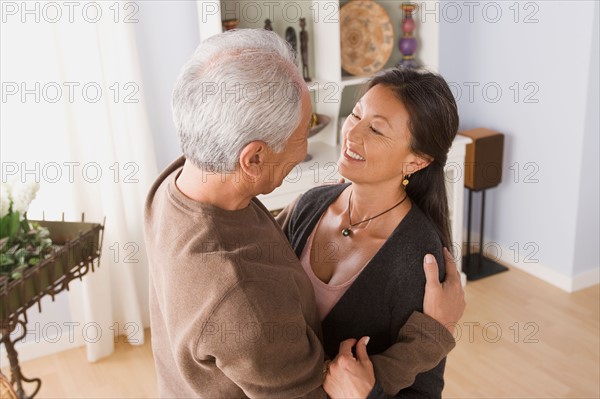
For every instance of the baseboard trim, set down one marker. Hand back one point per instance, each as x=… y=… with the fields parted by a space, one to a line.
x=585 y=280
x=41 y=346
x=538 y=270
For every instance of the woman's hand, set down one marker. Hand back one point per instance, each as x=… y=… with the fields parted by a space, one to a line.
x=347 y=376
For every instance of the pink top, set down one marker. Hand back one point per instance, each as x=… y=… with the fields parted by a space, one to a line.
x=326 y=295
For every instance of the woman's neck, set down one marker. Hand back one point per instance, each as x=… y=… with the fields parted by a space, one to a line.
x=371 y=199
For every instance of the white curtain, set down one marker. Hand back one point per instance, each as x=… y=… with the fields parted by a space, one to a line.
x=73 y=116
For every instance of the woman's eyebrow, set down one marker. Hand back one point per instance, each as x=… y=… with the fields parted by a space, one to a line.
x=377 y=115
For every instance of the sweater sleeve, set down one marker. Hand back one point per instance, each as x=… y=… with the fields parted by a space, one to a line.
x=421 y=345
x=263 y=345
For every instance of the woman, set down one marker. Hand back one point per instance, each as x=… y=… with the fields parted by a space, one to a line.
x=362 y=244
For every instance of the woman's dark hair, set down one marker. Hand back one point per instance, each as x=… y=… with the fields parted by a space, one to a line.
x=433 y=124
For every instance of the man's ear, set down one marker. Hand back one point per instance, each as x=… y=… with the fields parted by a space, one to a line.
x=417 y=163
x=252 y=159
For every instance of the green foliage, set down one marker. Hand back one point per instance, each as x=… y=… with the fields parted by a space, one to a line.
x=22 y=244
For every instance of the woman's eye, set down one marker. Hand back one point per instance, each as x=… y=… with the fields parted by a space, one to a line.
x=374 y=130
x=354 y=115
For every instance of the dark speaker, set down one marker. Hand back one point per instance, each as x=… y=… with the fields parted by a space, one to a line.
x=483 y=170
x=483 y=160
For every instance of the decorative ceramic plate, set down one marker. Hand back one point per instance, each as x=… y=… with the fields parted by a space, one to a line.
x=367 y=37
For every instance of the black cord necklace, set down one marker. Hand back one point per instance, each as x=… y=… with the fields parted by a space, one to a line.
x=347 y=232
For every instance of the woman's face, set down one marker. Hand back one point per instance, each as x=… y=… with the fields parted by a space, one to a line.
x=376 y=140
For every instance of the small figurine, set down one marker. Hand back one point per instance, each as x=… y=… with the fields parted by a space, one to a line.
x=292 y=39
x=268 y=25
x=304 y=50
x=230 y=24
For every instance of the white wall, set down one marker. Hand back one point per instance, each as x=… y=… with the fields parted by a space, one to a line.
x=587 y=232
x=167 y=35
x=550 y=128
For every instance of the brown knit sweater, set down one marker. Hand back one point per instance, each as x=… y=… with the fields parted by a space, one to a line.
x=232 y=312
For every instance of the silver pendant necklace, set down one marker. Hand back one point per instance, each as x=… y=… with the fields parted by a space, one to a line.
x=347 y=232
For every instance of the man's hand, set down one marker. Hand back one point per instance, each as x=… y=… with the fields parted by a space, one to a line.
x=445 y=301
x=347 y=376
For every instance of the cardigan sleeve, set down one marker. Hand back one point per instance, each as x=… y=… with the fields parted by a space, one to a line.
x=265 y=347
x=421 y=345
x=284 y=217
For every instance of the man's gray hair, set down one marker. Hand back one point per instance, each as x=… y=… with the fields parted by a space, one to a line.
x=240 y=86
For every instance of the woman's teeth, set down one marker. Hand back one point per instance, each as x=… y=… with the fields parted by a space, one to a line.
x=354 y=155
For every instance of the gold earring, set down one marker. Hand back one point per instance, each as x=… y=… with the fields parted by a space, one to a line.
x=405 y=181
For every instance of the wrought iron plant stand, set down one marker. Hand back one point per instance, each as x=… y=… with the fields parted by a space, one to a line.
x=80 y=246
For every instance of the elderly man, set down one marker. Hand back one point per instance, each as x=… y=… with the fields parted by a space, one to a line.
x=232 y=312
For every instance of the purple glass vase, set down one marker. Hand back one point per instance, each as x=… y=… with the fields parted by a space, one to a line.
x=408 y=42
x=408 y=46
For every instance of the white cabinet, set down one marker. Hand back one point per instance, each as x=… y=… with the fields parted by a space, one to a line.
x=329 y=86
x=455 y=187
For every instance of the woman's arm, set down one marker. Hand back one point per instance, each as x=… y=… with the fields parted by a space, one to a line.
x=283 y=217
x=423 y=341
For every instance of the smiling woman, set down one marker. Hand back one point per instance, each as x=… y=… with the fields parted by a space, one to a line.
x=73 y=119
x=362 y=244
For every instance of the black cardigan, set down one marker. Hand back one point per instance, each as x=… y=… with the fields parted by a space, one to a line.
x=387 y=291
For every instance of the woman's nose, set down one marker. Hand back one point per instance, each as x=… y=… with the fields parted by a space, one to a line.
x=352 y=130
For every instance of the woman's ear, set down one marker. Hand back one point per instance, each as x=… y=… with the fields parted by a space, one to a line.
x=252 y=158
x=417 y=163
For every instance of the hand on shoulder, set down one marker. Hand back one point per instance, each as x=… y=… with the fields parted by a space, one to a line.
x=445 y=302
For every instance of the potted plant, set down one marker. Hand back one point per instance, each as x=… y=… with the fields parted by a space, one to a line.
x=22 y=244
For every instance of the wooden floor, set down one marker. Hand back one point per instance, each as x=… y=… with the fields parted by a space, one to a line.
x=519 y=338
